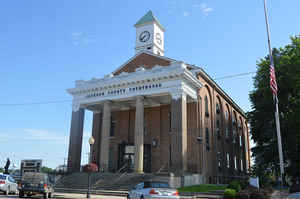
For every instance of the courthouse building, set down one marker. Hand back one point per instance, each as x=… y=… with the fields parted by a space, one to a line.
x=155 y=113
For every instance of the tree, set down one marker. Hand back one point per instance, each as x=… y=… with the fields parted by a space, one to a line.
x=262 y=119
x=1 y=170
x=46 y=170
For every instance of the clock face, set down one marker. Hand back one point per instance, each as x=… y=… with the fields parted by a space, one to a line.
x=144 y=36
x=158 y=38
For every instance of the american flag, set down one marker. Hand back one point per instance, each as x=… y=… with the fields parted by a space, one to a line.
x=273 y=84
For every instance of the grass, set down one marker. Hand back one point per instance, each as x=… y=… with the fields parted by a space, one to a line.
x=202 y=188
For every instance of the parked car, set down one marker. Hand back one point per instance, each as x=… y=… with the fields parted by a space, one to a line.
x=295 y=195
x=152 y=189
x=33 y=183
x=8 y=184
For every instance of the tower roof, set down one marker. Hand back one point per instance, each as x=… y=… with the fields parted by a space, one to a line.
x=149 y=17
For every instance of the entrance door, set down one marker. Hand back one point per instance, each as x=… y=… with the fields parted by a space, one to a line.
x=126 y=158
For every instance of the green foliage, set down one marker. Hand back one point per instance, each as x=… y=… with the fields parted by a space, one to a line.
x=1 y=170
x=202 y=188
x=234 y=185
x=262 y=119
x=229 y=193
x=46 y=170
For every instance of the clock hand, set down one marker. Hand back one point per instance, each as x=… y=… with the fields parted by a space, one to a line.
x=143 y=37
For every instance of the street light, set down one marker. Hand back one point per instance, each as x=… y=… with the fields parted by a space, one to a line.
x=91 y=142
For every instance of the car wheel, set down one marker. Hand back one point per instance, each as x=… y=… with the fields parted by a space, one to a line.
x=45 y=195
x=7 y=191
x=21 y=194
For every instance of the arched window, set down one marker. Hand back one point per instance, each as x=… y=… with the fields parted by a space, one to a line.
x=226 y=115
x=217 y=108
x=233 y=118
x=218 y=129
x=207 y=139
x=206 y=106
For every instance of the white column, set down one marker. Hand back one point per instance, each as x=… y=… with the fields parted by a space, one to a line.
x=139 y=136
x=104 y=152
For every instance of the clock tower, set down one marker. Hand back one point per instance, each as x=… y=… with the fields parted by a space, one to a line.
x=149 y=35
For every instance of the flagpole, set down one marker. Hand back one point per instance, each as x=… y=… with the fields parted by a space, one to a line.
x=276 y=101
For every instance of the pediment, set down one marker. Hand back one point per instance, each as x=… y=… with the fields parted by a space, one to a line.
x=143 y=61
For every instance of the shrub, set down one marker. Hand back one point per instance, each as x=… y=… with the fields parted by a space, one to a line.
x=244 y=184
x=235 y=185
x=229 y=194
x=92 y=167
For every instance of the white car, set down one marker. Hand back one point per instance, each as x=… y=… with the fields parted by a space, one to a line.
x=152 y=189
x=295 y=195
x=8 y=184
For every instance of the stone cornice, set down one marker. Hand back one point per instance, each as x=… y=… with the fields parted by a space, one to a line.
x=157 y=73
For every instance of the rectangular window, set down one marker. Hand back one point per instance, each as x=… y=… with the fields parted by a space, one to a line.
x=242 y=166
x=228 y=163
x=235 y=163
x=226 y=132
x=170 y=124
x=112 y=127
x=145 y=124
x=219 y=159
x=241 y=141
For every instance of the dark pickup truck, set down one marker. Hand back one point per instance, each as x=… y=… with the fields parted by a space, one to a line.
x=33 y=183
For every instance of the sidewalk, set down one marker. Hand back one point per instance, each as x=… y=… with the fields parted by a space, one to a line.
x=279 y=195
x=81 y=196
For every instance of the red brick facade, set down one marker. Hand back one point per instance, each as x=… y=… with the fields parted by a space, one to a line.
x=215 y=127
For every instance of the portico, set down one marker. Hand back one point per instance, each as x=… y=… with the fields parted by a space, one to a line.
x=173 y=85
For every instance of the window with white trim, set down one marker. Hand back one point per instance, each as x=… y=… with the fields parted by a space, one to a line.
x=242 y=166
x=235 y=163
x=241 y=143
x=227 y=158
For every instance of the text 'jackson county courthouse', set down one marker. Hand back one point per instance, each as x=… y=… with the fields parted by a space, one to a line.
x=157 y=113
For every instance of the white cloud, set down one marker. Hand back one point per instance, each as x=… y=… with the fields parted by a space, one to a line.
x=185 y=13
x=205 y=9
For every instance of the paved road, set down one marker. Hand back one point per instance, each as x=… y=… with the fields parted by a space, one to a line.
x=279 y=195
x=63 y=195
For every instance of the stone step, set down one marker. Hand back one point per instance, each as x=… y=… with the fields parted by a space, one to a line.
x=124 y=193
x=95 y=192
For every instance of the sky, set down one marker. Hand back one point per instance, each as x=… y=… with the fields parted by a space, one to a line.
x=46 y=45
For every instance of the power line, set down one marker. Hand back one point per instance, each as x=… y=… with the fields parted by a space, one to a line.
x=64 y=101
x=233 y=76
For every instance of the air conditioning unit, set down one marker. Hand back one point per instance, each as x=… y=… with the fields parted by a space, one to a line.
x=199 y=138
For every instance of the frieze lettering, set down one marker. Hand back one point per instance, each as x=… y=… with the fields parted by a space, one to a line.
x=125 y=90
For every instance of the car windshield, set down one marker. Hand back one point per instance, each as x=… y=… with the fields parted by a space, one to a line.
x=2 y=177
x=156 y=185
x=33 y=177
